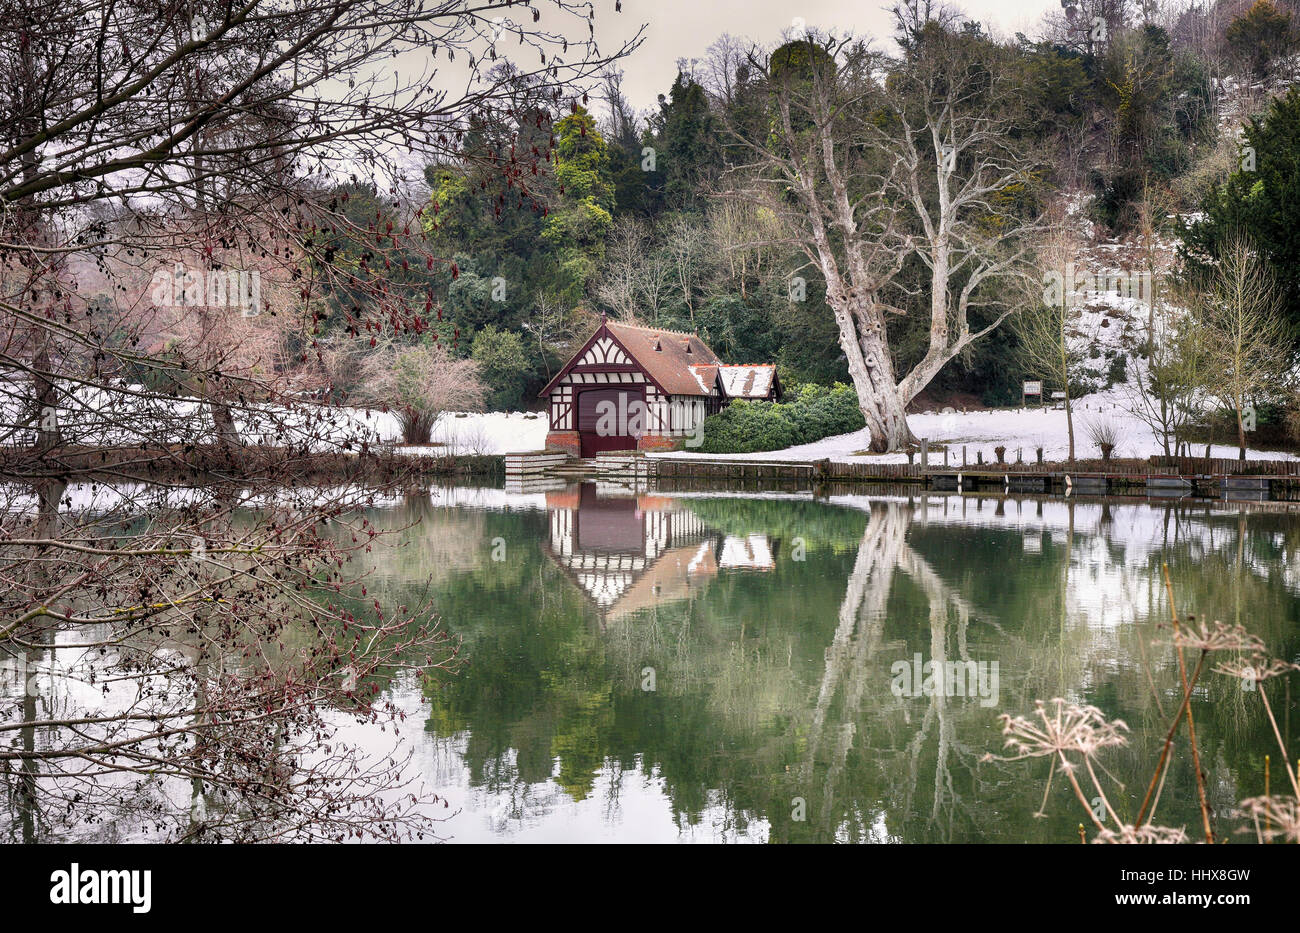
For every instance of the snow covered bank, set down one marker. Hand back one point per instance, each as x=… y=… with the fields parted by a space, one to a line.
x=130 y=415
x=496 y=432
x=1021 y=431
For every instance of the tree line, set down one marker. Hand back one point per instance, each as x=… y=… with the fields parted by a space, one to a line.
x=864 y=216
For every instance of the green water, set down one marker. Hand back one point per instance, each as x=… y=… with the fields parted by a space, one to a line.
x=719 y=667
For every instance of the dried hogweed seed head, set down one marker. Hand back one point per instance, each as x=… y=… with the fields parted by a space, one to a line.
x=1059 y=727
x=1217 y=636
x=1281 y=816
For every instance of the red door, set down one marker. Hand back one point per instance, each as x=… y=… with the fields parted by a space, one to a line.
x=607 y=418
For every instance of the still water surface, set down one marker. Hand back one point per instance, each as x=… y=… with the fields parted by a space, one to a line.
x=727 y=667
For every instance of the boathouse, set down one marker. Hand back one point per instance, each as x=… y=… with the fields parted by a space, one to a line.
x=644 y=388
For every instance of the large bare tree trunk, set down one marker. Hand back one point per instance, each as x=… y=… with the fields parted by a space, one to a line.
x=882 y=405
x=45 y=394
x=871 y=367
x=867 y=197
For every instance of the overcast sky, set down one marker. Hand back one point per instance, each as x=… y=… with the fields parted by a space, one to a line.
x=678 y=29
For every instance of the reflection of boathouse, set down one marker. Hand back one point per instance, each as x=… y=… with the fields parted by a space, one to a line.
x=630 y=552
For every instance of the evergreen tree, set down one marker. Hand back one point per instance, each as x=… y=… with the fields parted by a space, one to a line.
x=1260 y=201
x=686 y=141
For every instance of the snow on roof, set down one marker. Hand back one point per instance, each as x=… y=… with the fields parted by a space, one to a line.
x=750 y=553
x=748 y=380
x=706 y=376
x=679 y=363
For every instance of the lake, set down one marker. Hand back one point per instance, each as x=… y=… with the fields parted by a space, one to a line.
x=709 y=667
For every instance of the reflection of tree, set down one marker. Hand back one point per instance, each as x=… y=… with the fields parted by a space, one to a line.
x=851 y=664
x=776 y=685
x=152 y=711
x=866 y=593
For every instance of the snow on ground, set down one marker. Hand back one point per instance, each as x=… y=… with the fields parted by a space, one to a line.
x=461 y=433
x=1020 y=430
x=129 y=414
x=464 y=433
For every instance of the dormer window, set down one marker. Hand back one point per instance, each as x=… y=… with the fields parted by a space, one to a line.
x=687 y=346
x=659 y=345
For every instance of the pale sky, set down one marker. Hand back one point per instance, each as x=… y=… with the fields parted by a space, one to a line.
x=685 y=28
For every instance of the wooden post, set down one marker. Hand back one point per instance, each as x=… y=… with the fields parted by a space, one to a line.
x=963 y=455
x=925 y=454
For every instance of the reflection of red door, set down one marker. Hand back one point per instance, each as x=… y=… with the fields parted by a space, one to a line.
x=616 y=411
x=608 y=525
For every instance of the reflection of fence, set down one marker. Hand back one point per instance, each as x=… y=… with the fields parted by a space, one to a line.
x=827 y=470
x=872 y=471
x=736 y=469
x=1160 y=477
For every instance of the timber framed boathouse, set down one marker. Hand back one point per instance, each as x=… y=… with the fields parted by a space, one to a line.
x=644 y=388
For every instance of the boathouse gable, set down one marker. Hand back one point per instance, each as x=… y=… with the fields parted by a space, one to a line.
x=660 y=384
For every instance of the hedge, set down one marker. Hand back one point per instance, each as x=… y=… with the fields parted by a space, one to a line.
x=809 y=413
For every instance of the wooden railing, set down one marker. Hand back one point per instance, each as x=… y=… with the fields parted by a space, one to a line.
x=1222 y=466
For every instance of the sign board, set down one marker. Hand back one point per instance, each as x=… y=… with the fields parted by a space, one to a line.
x=1059 y=396
x=1034 y=387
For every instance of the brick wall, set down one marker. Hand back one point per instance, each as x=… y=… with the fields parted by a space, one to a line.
x=567 y=441
x=659 y=442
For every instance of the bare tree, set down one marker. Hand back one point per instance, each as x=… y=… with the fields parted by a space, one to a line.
x=722 y=72
x=622 y=116
x=685 y=242
x=219 y=628
x=1167 y=391
x=419 y=383
x=1088 y=26
x=637 y=275
x=742 y=234
x=1246 y=339
x=866 y=171
x=1052 y=311
x=555 y=328
x=620 y=285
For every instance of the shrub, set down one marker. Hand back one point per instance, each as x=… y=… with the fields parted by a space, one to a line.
x=809 y=413
x=1118 y=371
x=1105 y=434
x=503 y=367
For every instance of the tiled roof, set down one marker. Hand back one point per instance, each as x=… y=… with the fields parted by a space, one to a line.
x=664 y=355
